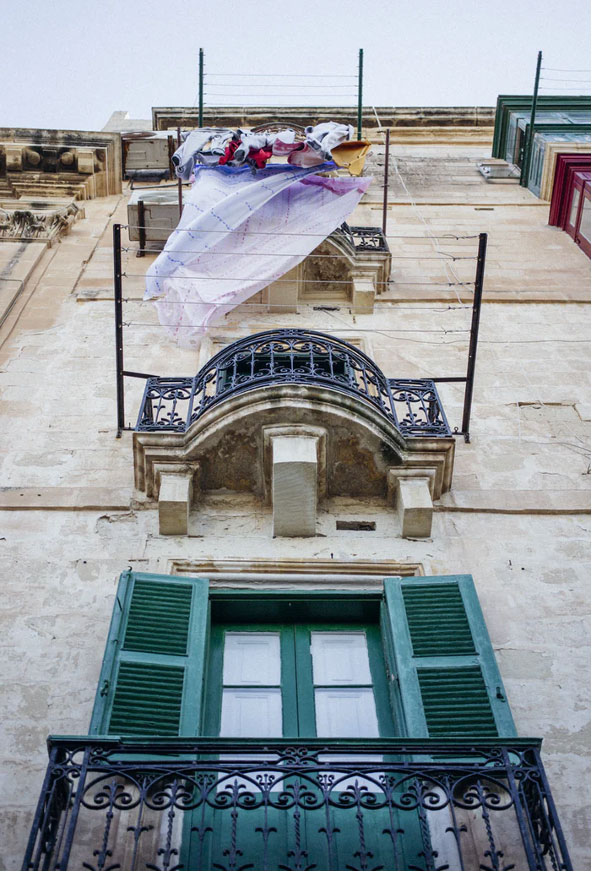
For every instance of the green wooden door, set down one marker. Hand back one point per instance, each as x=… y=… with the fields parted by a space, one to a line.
x=303 y=680
x=429 y=671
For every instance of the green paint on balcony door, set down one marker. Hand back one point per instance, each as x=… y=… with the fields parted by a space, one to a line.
x=302 y=680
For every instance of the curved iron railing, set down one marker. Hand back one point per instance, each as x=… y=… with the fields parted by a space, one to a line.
x=154 y=803
x=364 y=238
x=290 y=356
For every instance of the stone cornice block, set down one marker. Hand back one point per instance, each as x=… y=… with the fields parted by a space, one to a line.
x=175 y=496
x=319 y=434
x=294 y=484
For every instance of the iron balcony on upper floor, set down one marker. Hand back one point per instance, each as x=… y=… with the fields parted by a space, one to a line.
x=297 y=357
x=174 y=803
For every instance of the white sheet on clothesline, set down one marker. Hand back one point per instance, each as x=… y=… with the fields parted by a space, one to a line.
x=239 y=232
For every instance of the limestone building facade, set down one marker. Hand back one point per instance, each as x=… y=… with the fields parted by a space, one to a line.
x=250 y=545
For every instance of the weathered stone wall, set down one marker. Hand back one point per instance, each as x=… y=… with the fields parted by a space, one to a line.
x=516 y=517
x=165 y=117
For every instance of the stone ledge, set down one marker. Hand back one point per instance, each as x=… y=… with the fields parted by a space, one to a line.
x=65 y=498
x=516 y=502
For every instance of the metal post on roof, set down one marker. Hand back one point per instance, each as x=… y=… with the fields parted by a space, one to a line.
x=201 y=65
x=360 y=82
x=528 y=145
x=477 y=296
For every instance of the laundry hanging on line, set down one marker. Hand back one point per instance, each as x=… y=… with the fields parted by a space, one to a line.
x=238 y=233
x=215 y=146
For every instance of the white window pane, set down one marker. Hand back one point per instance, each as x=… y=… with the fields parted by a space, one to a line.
x=255 y=713
x=340 y=658
x=584 y=228
x=252 y=659
x=346 y=714
x=573 y=214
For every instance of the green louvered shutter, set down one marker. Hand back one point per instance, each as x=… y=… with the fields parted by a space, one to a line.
x=152 y=676
x=448 y=678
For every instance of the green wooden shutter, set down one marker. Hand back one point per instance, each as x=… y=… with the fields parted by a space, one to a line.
x=152 y=675
x=449 y=682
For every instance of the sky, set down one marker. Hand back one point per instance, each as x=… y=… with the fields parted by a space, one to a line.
x=71 y=63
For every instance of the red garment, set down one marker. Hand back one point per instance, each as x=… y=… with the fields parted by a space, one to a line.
x=229 y=151
x=260 y=156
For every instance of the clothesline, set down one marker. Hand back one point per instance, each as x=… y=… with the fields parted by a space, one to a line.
x=231 y=200
x=556 y=70
x=345 y=330
x=548 y=79
x=282 y=75
x=277 y=233
x=291 y=254
x=317 y=307
x=332 y=256
x=282 y=94
x=256 y=85
x=268 y=279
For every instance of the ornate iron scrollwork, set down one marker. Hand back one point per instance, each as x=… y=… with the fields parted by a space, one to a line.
x=419 y=409
x=399 y=804
x=363 y=238
x=291 y=357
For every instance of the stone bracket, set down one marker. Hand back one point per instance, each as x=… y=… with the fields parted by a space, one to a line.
x=295 y=430
x=294 y=476
x=175 y=492
x=282 y=295
x=363 y=292
x=412 y=491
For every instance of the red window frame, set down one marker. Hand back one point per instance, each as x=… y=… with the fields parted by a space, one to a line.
x=582 y=186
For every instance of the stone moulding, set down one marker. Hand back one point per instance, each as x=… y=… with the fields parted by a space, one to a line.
x=360 y=453
x=21 y=221
x=83 y=163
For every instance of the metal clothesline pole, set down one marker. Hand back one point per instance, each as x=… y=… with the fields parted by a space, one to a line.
x=360 y=84
x=179 y=182
x=118 y=327
x=477 y=297
x=201 y=83
x=387 y=145
x=118 y=275
x=528 y=146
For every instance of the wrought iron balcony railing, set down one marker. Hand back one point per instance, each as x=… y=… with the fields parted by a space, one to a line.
x=303 y=357
x=263 y=804
x=364 y=238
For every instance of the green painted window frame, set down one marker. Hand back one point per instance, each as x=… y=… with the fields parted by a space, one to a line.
x=409 y=664
x=297 y=685
x=404 y=666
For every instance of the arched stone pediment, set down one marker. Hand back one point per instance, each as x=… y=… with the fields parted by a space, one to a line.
x=227 y=441
x=292 y=417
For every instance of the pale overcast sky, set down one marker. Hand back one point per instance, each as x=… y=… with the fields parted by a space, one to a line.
x=70 y=63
